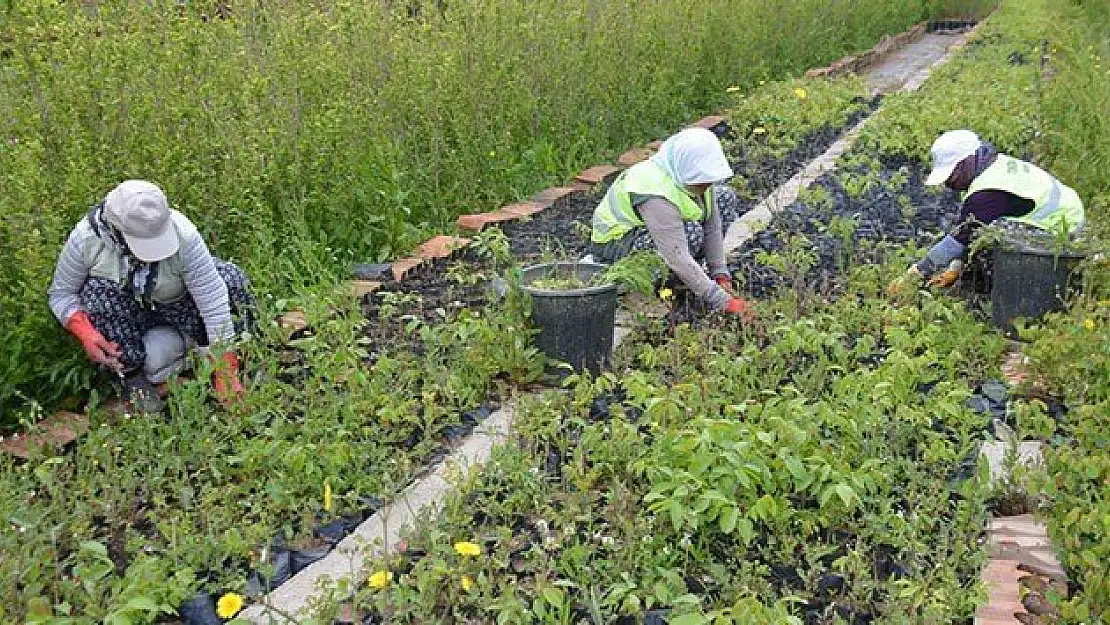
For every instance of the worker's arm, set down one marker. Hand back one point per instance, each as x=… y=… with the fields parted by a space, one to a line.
x=70 y=274
x=206 y=287
x=666 y=229
x=715 y=245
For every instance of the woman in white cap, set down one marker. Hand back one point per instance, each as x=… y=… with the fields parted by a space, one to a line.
x=677 y=203
x=133 y=264
x=993 y=186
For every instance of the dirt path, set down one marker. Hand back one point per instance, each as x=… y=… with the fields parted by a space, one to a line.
x=901 y=69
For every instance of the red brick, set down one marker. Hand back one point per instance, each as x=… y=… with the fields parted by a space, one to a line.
x=405 y=265
x=52 y=432
x=711 y=122
x=364 y=287
x=553 y=196
x=633 y=156
x=473 y=223
x=440 y=247
x=598 y=174
x=522 y=209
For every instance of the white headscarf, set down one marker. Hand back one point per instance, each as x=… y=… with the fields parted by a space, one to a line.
x=693 y=156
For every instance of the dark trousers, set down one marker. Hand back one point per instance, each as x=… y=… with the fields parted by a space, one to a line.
x=123 y=320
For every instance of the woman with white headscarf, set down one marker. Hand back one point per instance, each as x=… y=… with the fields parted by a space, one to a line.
x=134 y=265
x=677 y=203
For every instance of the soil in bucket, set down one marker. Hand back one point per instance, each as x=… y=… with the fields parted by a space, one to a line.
x=1031 y=276
x=574 y=316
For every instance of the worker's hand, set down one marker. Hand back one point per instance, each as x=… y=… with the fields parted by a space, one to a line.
x=225 y=379
x=947 y=277
x=740 y=308
x=725 y=282
x=905 y=283
x=99 y=349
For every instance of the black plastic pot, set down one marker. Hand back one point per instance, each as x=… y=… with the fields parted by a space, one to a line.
x=1028 y=282
x=575 y=325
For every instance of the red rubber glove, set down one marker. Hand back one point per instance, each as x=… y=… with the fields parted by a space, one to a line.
x=740 y=308
x=225 y=379
x=99 y=349
x=724 y=281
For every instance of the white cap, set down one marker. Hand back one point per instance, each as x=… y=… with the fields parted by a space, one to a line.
x=948 y=150
x=140 y=211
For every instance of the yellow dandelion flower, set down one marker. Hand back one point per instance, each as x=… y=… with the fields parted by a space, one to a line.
x=665 y=293
x=467 y=583
x=380 y=579
x=801 y=93
x=733 y=89
x=468 y=549
x=229 y=605
x=759 y=130
x=1089 y=324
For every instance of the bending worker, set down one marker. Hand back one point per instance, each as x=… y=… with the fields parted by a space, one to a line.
x=676 y=203
x=133 y=264
x=994 y=186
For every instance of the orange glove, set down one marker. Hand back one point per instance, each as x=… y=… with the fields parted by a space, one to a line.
x=99 y=349
x=225 y=379
x=724 y=281
x=740 y=308
x=947 y=277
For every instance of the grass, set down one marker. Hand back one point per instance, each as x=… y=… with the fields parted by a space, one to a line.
x=301 y=137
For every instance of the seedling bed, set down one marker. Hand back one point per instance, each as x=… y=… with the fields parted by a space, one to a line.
x=560 y=232
x=857 y=214
x=763 y=175
x=610 y=508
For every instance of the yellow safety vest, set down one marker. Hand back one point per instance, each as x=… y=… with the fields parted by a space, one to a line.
x=615 y=216
x=1055 y=205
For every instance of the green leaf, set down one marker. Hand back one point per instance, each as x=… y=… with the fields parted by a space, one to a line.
x=728 y=519
x=847 y=495
x=691 y=618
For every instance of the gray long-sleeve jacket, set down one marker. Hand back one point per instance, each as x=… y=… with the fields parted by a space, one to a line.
x=190 y=271
x=662 y=220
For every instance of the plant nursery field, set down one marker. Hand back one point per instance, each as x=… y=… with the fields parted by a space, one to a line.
x=818 y=465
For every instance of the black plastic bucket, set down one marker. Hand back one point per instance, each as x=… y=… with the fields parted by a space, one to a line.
x=1028 y=282
x=575 y=325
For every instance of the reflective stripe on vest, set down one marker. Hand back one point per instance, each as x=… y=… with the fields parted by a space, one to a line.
x=615 y=216
x=1054 y=204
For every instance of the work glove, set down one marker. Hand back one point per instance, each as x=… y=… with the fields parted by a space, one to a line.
x=740 y=308
x=906 y=282
x=225 y=379
x=947 y=277
x=725 y=282
x=99 y=349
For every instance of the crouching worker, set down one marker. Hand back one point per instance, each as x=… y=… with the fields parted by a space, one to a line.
x=994 y=186
x=676 y=203
x=136 y=276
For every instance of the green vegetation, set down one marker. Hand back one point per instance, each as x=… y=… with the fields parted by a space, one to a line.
x=1042 y=93
x=814 y=465
x=145 y=509
x=300 y=136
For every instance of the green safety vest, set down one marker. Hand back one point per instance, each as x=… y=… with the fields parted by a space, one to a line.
x=1054 y=204
x=615 y=216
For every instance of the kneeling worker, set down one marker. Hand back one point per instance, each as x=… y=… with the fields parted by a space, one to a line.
x=994 y=186
x=675 y=202
x=133 y=265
